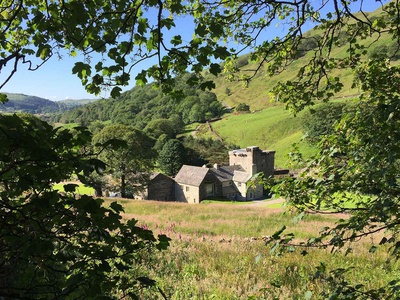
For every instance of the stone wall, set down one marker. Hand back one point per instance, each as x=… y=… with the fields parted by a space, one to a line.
x=161 y=188
x=187 y=193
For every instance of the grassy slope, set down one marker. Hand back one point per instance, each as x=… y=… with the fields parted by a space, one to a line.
x=257 y=94
x=273 y=129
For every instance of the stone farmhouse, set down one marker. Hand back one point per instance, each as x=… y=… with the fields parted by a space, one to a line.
x=193 y=184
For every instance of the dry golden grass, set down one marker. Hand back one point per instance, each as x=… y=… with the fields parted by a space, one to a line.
x=217 y=252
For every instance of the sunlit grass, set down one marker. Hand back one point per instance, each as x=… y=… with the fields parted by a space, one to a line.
x=270 y=129
x=81 y=188
x=217 y=251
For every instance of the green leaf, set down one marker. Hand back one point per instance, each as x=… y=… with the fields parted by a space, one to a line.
x=141 y=78
x=3 y=98
x=215 y=69
x=71 y=187
x=44 y=51
x=115 y=92
x=117 y=207
x=207 y=85
x=81 y=69
x=176 y=40
x=146 y=281
x=163 y=243
x=277 y=235
x=201 y=30
x=221 y=52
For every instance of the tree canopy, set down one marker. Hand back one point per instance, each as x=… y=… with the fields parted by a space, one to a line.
x=130 y=164
x=143 y=104
x=357 y=172
x=57 y=245
x=320 y=121
x=171 y=157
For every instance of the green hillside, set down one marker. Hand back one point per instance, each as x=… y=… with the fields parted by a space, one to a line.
x=38 y=105
x=257 y=93
x=29 y=104
x=144 y=104
x=70 y=103
x=271 y=129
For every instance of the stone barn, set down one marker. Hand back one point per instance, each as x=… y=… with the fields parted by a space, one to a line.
x=161 y=187
x=194 y=184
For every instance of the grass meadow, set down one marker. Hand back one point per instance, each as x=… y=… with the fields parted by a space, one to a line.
x=80 y=189
x=217 y=252
x=270 y=129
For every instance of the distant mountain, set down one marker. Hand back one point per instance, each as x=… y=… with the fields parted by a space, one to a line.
x=30 y=104
x=37 y=105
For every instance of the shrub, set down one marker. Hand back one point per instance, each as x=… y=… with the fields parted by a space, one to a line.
x=242 y=107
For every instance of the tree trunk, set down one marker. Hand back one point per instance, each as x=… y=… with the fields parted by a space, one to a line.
x=123 y=183
x=98 y=191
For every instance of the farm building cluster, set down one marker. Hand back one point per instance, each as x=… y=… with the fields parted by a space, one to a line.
x=193 y=184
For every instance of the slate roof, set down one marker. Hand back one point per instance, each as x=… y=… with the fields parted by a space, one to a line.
x=230 y=189
x=241 y=176
x=153 y=175
x=191 y=175
x=225 y=173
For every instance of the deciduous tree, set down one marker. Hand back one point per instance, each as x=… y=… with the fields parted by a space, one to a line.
x=171 y=157
x=320 y=121
x=129 y=165
x=357 y=172
x=56 y=245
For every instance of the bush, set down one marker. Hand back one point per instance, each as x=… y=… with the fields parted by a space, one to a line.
x=242 y=107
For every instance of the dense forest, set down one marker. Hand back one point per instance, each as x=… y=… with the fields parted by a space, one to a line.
x=144 y=104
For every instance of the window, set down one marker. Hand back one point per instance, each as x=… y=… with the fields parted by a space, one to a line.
x=239 y=184
x=187 y=189
x=210 y=189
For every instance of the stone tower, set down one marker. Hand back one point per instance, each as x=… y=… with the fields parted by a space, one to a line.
x=253 y=160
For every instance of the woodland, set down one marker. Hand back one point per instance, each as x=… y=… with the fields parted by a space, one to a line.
x=58 y=245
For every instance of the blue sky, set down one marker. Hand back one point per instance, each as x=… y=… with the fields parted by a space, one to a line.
x=55 y=81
